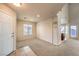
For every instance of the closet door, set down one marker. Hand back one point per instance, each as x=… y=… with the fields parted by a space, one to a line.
x=6 y=39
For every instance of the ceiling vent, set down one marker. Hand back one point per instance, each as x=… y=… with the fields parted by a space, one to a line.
x=25 y=17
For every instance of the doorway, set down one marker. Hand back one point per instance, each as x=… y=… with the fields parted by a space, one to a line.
x=55 y=34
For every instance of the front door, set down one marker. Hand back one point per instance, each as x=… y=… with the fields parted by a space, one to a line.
x=6 y=39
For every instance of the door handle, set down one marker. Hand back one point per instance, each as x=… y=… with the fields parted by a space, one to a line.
x=12 y=34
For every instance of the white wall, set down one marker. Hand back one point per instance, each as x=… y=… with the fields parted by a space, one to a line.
x=44 y=30
x=74 y=16
x=20 y=35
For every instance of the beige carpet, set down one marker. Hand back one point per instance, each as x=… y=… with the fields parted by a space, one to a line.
x=43 y=48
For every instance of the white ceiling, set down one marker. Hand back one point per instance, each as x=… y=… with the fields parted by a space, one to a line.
x=30 y=10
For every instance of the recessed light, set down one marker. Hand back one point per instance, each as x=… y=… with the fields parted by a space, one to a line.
x=38 y=15
x=31 y=19
x=17 y=4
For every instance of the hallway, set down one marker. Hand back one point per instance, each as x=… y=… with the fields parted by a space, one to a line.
x=34 y=30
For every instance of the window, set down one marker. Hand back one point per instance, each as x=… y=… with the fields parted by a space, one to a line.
x=27 y=29
x=73 y=31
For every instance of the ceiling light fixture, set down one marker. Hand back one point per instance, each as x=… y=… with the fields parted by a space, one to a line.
x=17 y=4
x=38 y=15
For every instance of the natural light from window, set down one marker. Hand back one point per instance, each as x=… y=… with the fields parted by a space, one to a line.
x=27 y=29
x=73 y=31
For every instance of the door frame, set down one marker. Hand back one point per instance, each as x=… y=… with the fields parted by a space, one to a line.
x=53 y=33
x=11 y=21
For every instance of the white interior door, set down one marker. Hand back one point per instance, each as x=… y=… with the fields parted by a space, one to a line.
x=55 y=34
x=6 y=39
